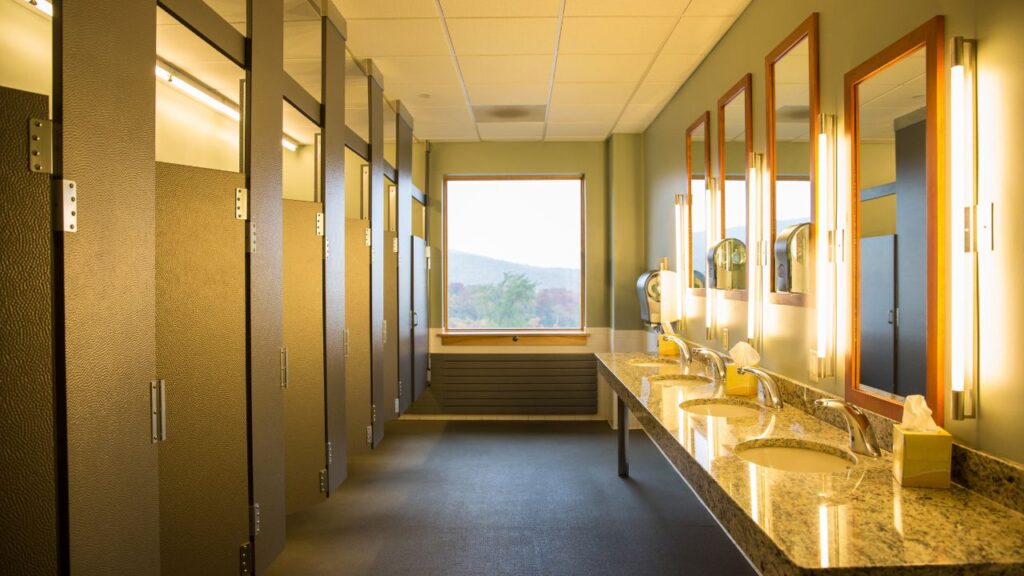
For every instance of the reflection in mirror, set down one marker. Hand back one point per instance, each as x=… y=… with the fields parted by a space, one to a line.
x=793 y=258
x=792 y=118
x=698 y=165
x=735 y=145
x=891 y=130
x=897 y=301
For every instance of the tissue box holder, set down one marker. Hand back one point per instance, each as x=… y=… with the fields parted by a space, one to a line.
x=737 y=384
x=921 y=459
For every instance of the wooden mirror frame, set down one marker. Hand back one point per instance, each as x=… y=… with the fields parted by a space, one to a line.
x=742 y=87
x=931 y=37
x=704 y=118
x=807 y=29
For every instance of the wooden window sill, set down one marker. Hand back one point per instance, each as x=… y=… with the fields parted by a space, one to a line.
x=514 y=338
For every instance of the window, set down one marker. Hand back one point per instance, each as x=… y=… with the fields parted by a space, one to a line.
x=513 y=253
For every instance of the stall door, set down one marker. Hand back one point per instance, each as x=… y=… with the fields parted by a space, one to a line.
x=358 y=395
x=28 y=475
x=878 y=315
x=200 y=336
x=304 y=410
x=420 y=341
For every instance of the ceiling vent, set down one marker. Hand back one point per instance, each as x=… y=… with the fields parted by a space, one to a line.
x=792 y=113
x=509 y=113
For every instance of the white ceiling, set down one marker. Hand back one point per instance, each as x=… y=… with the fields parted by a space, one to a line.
x=894 y=92
x=598 y=66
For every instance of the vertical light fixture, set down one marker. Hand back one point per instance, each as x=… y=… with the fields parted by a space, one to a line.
x=824 y=222
x=754 y=192
x=681 y=269
x=963 y=251
x=709 y=235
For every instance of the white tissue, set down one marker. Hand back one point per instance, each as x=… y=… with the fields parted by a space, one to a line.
x=743 y=354
x=669 y=298
x=917 y=416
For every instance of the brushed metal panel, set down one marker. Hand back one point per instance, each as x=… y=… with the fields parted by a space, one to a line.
x=263 y=167
x=200 y=337
x=393 y=329
x=304 y=415
x=29 y=475
x=379 y=397
x=332 y=139
x=405 y=262
x=106 y=105
x=357 y=311
x=421 y=307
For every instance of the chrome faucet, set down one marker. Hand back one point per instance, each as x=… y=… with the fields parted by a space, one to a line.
x=716 y=358
x=684 y=349
x=771 y=388
x=862 y=436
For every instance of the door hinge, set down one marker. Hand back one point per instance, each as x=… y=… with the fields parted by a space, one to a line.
x=398 y=407
x=368 y=237
x=327 y=248
x=323 y=481
x=330 y=453
x=427 y=257
x=241 y=204
x=345 y=344
x=373 y=413
x=319 y=223
x=369 y=434
x=254 y=519
x=40 y=145
x=67 y=212
x=158 y=410
x=250 y=237
x=415 y=318
x=245 y=559
x=394 y=245
x=284 y=367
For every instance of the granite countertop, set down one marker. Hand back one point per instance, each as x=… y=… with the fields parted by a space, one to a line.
x=852 y=522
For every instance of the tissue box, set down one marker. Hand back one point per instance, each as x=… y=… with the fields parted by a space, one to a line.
x=921 y=459
x=737 y=384
x=666 y=348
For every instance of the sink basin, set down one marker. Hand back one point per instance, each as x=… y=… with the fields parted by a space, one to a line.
x=722 y=407
x=795 y=455
x=652 y=362
x=680 y=379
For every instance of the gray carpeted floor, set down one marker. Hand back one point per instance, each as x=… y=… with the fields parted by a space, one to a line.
x=508 y=498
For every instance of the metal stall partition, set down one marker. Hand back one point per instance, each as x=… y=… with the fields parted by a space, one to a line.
x=392 y=331
x=30 y=496
x=420 y=307
x=305 y=447
x=358 y=393
x=405 y=261
x=200 y=337
x=378 y=398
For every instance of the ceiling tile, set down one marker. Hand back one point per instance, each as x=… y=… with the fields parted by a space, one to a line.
x=503 y=36
x=589 y=131
x=630 y=127
x=593 y=93
x=507 y=94
x=408 y=37
x=653 y=94
x=230 y=10
x=306 y=73
x=417 y=70
x=363 y=9
x=563 y=114
x=620 y=8
x=500 y=8
x=601 y=67
x=617 y=35
x=511 y=130
x=696 y=35
x=427 y=95
x=716 y=7
x=302 y=40
x=639 y=115
x=673 y=68
x=502 y=69
x=446 y=131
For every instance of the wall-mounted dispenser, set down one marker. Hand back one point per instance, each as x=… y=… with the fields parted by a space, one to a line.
x=792 y=259
x=648 y=290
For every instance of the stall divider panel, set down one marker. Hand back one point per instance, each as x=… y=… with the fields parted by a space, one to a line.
x=29 y=479
x=200 y=343
x=262 y=145
x=405 y=260
x=332 y=176
x=378 y=397
x=390 y=409
x=105 y=144
x=420 y=305
x=357 y=351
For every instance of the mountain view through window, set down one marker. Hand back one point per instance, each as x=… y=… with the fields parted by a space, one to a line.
x=513 y=250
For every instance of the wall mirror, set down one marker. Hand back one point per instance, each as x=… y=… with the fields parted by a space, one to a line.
x=698 y=167
x=894 y=111
x=791 y=70
x=728 y=264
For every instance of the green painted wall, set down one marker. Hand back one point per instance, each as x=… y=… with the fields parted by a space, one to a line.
x=626 y=221
x=490 y=158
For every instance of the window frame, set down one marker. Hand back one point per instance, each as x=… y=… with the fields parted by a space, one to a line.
x=500 y=332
